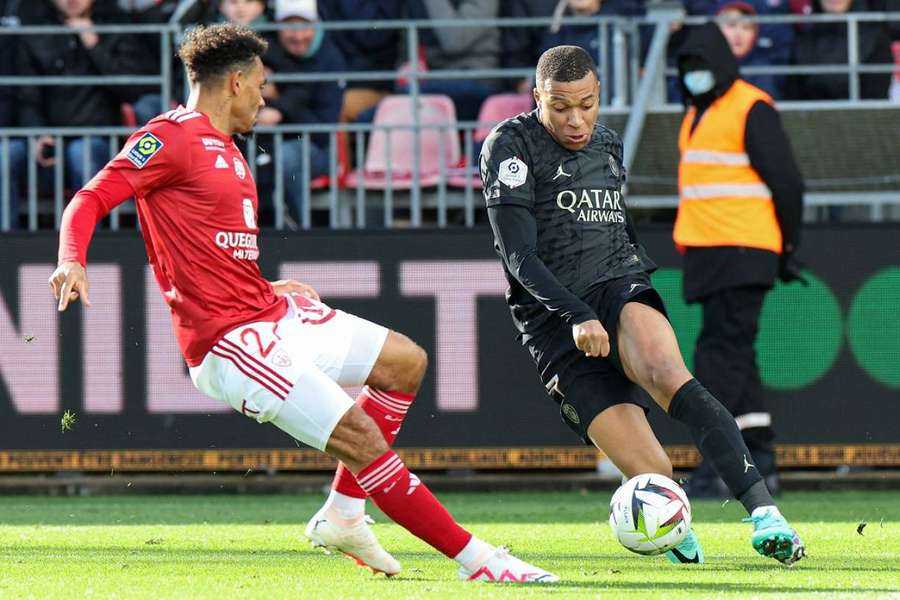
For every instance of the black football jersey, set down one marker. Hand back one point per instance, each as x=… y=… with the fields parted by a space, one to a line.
x=577 y=203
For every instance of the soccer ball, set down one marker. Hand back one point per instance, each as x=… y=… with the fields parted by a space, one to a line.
x=650 y=514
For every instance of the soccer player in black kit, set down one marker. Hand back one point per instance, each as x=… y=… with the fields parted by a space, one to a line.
x=583 y=303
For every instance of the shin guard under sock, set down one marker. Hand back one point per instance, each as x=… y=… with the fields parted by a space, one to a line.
x=719 y=440
x=409 y=502
x=387 y=409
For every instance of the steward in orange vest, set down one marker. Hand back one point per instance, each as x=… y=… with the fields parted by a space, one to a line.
x=739 y=214
x=740 y=191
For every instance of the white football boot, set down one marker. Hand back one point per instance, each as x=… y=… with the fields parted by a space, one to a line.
x=503 y=567
x=356 y=541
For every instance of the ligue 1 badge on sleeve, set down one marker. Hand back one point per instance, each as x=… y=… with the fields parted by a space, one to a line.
x=144 y=149
x=513 y=172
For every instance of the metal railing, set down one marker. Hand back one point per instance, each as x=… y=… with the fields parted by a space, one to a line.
x=633 y=95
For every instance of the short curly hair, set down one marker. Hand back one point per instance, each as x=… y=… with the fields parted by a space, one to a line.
x=564 y=64
x=209 y=53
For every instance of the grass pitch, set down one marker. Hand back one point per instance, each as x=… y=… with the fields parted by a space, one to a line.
x=224 y=547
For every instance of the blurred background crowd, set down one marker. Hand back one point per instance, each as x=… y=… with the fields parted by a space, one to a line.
x=308 y=48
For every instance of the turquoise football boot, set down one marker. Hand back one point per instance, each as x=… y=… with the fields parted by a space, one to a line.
x=774 y=537
x=688 y=551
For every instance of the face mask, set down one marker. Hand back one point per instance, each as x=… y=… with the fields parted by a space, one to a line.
x=699 y=82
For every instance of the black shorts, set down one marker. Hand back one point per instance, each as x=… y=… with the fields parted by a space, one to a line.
x=583 y=386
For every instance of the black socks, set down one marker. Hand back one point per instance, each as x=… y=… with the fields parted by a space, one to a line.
x=719 y=440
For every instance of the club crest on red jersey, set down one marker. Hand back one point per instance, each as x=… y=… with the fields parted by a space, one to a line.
x=249 y=213
x=239 y=168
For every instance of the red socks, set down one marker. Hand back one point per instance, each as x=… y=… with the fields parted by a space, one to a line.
x=410 y=504
x=387 y=409
x=396 y=491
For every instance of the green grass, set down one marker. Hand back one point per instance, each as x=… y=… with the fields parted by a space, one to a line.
x=223 y=547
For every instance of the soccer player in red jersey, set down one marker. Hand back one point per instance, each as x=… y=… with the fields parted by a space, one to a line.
x=272 y=351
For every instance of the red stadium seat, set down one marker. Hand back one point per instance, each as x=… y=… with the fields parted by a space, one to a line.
x=499 y=107
x=128 y=117
x=434 y=143
x=343 y=162
x=896 y=48
x=495 y=108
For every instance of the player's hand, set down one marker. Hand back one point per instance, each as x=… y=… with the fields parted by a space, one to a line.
x=40 y=149
x=69 y=282
x=591 y=338
x=283 y=287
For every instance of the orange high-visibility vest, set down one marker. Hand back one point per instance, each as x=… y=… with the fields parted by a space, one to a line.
x=722 y=199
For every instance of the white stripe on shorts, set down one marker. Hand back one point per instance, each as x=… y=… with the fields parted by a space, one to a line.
x=261 y=370
x=250 y=373
x=278 y=377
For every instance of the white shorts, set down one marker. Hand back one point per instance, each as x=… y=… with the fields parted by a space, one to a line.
x=254 y=367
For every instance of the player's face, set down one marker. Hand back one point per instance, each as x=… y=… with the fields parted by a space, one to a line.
x=568 y=109
x=248 y=97
x=740 y=33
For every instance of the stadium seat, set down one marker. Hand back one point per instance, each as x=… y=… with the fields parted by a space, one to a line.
x=128 y=117
x=499 y=107
x=343 y=163
x=896 y=49
x=434 y=109
x=494 y=109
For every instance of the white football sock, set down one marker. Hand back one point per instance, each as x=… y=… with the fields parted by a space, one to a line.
x=345 y=507
x=475 y=554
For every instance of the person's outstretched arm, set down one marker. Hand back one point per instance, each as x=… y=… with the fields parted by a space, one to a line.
x=515 y=232
x=151 y=158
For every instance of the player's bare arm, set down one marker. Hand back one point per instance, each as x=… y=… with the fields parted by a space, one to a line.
x=591 y=338
x=69 y=282
x=283 y=287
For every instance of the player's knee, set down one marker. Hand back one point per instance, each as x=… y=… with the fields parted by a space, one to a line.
x=411 y=369
x=665 y=375
x=418 y=365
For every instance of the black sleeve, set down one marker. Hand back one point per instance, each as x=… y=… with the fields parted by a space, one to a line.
x=507 y=173
x=770 y=155
x=515 y=232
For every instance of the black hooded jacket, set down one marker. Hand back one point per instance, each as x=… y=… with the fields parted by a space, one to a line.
x=826 y=44
x=709 y=270
x=64 y=54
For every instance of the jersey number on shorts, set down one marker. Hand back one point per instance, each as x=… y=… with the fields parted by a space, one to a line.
x=247 y=337
x=312 y=312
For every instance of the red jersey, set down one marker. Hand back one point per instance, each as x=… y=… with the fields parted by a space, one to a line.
x=197 y=206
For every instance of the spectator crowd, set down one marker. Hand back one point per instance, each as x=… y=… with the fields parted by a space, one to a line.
x=308 y=48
